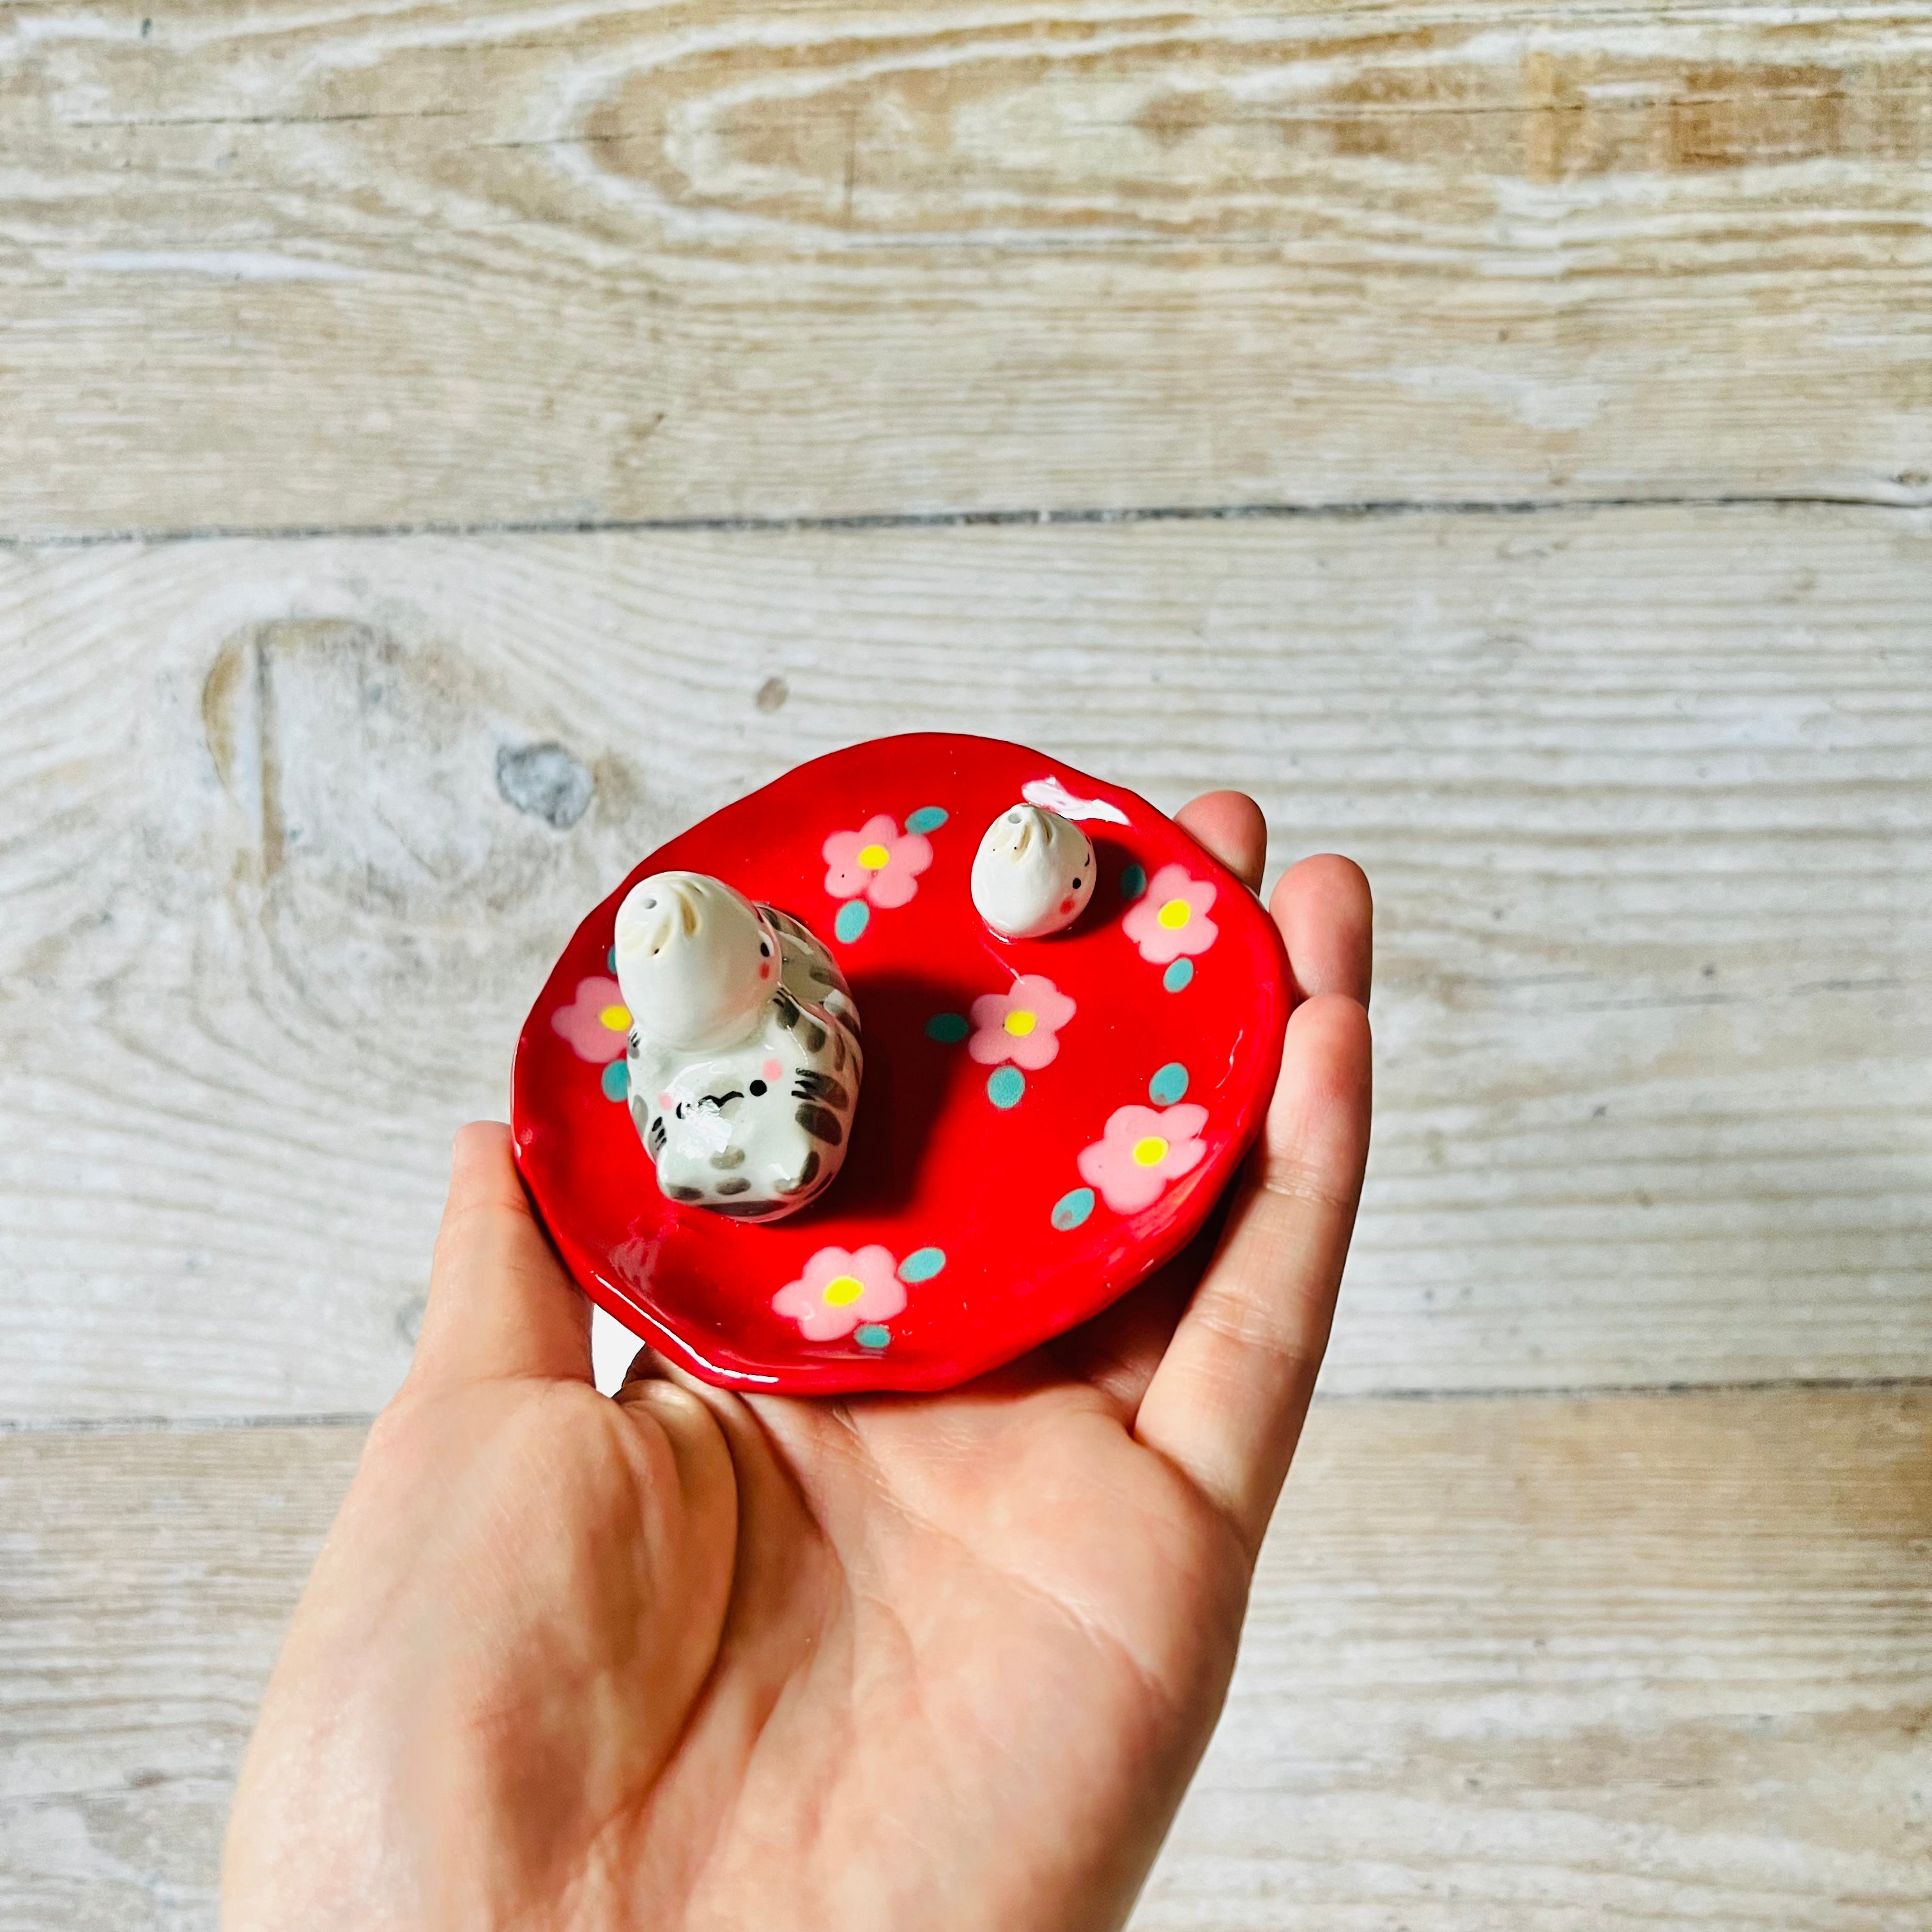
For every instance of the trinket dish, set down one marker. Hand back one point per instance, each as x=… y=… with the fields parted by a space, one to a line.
x=1042 y=1120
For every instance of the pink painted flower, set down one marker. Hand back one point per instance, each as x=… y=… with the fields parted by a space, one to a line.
x=1171 y=917
x=597 y=1023
x=1143 y=1149
x=838 y=1290
x=1022 y=1026
x=878 y=862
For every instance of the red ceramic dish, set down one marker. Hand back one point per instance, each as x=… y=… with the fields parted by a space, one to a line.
x=1042 y=1122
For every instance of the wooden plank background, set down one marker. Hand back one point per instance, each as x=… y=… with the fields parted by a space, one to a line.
x=269 y=264
x=1500 y=438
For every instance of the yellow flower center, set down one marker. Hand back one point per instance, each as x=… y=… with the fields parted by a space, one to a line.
x=616 y=1018
x=843 y=1288
x=1020 y=1023
x=1175 y=914
x=1151 y=1149
x=874 y=858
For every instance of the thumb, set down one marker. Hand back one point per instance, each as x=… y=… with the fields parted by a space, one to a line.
x=500 y=1303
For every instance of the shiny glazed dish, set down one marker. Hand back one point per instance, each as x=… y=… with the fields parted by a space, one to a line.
x=1042 y=1121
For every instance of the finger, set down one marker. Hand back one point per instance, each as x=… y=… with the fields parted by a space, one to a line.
x=1327 y=916
x=1230 y=825
x=1227 y=1401
x=1323 y=907
x=1118 y=1350
x=699 y=1447
x=499 y=1302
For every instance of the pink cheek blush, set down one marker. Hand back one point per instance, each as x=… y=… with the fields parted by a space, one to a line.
x=773 y=1070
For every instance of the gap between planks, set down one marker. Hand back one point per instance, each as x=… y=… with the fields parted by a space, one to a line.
x=1361 y=510
x=189 y=1425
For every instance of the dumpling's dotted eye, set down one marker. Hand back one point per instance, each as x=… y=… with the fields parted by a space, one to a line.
x=1076 y=885
x=764 y=949
x=757 y=1089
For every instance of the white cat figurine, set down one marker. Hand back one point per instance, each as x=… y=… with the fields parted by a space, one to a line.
x=1032 y=874
x=744 y=1057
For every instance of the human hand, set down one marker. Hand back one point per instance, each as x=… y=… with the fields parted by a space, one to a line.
x=684 y=1658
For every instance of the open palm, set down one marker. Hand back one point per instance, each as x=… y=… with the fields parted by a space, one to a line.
x=686 y=1658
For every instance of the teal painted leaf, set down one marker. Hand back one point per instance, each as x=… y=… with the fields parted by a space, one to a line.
x=1070 y=1210
x=1168 y=1085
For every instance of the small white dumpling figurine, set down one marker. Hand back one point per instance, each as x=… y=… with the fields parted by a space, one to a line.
x=1033 y=873
x=744 y=1058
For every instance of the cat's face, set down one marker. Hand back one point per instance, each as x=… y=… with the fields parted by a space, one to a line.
x=743 y=1140
x=708 y=1106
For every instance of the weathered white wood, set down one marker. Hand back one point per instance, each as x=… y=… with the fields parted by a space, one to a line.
x=143 y=1585
x=1563 y=1665
x=1527 y=1666
x=1644 y=794
x=263 y=263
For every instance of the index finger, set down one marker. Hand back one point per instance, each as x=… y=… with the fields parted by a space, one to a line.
x=1226 y=1403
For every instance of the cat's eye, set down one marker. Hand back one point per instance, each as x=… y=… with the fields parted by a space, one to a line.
x=757 y=1089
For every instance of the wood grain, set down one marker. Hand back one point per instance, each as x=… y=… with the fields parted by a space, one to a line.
x=1531 y=1664
x=1644 y=791
x=1562 y=1665
x=264 y=264
x=1644 y=794
x=144 y=1585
